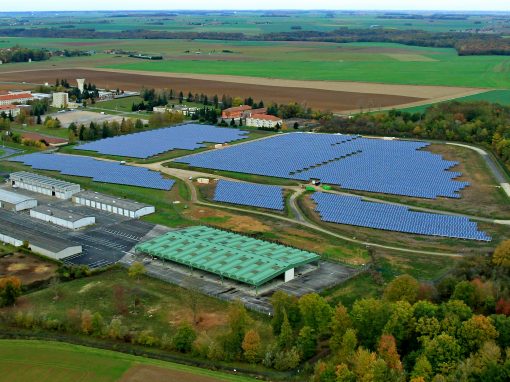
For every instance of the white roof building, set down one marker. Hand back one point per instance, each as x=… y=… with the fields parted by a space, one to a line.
x=16 y=202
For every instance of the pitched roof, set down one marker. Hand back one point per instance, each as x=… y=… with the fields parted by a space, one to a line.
x=13 y=97
x=237 y=109
x=266 y=117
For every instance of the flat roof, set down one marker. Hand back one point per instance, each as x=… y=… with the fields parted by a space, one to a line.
x=126 y=204
x=61 y=213
x=23 y=227
x=227 y=254
x=42 y=180
x=12 y=197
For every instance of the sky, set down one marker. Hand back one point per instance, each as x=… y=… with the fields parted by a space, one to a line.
x=52 y=5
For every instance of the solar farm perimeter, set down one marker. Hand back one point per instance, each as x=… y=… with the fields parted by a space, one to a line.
x=98 y=170
x=149 y=143
x=352 y=162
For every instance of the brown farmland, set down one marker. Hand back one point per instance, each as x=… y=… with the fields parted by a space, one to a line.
x=322 y=99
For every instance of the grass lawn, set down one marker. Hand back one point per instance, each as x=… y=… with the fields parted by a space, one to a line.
x=2 y=152
x=31 y=360
x=40 y=129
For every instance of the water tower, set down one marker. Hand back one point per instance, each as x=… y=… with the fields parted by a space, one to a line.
x=81 y=83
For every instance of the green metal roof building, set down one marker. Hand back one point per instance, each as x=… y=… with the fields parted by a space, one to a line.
x=227 y=254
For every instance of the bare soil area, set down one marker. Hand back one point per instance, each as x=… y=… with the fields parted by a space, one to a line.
x=144 y=373
x=322 y=95
x=27 y=268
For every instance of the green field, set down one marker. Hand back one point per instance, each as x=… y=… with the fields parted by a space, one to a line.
x=382 y=62
x=366 y=62
x=27 y=361
x=497 y=96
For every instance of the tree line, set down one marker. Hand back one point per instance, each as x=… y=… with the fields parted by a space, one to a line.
x=483 y=123
x=464 y=42
x=19 y=54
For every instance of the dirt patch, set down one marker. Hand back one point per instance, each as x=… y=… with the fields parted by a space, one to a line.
x=227 y=220
x=27 y=268
x=144 y=373
x=205 y=320
x=406 y=57
x=323 y=95
x=89 y=286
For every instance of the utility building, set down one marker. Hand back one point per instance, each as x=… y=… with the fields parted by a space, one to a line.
x=15 y=202
x=44 y=185
x=62 y=217
x=119 y=206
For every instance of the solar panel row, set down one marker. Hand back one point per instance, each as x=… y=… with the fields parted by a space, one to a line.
x=352 y=162
x=149 y=143
x=98 y=170
x=352 y=210
x=249 y=194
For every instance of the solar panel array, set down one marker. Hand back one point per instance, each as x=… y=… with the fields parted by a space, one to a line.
x=153 y=142
x=352 y=210
x=249 y=194
x=98 y=170
x=352 y=162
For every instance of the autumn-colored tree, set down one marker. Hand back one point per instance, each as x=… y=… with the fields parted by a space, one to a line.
x=501 y=256
x=10 y=290
x=251 y=346
x=348 y=346
x=387 y=350
x=343 y=374
x=403 y=287
x=340 y=322
x=475 y=331
x=86 y=321
x=503 y=307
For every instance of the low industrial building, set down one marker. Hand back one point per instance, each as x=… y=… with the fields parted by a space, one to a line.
x=119 y=206
x=44 y=184
x=16 y=202
x=228 y=255
x=20 y=229
x=62 y=217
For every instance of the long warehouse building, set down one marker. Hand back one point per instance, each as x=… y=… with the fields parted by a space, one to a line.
x=20 y=229
x=62 y=217
x=16 y=202
x=228 y=255
x=44 y=184
x=119 y=206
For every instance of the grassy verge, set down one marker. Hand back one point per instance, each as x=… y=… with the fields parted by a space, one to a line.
x=65 y=362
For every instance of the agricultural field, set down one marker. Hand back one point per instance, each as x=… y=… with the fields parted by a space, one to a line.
x=496 y=96
x=45 y=360
x=249 y=22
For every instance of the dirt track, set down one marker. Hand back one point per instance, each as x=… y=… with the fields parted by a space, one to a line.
x=321 y=99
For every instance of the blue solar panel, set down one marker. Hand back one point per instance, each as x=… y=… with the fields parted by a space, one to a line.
x=98 y=170
x=249 y=194
x=149 y=143
x=352 y=210
x=375 y=165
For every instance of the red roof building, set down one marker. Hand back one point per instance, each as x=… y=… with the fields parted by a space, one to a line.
x=235 y=112
x=9 y=99
x=50 y=141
